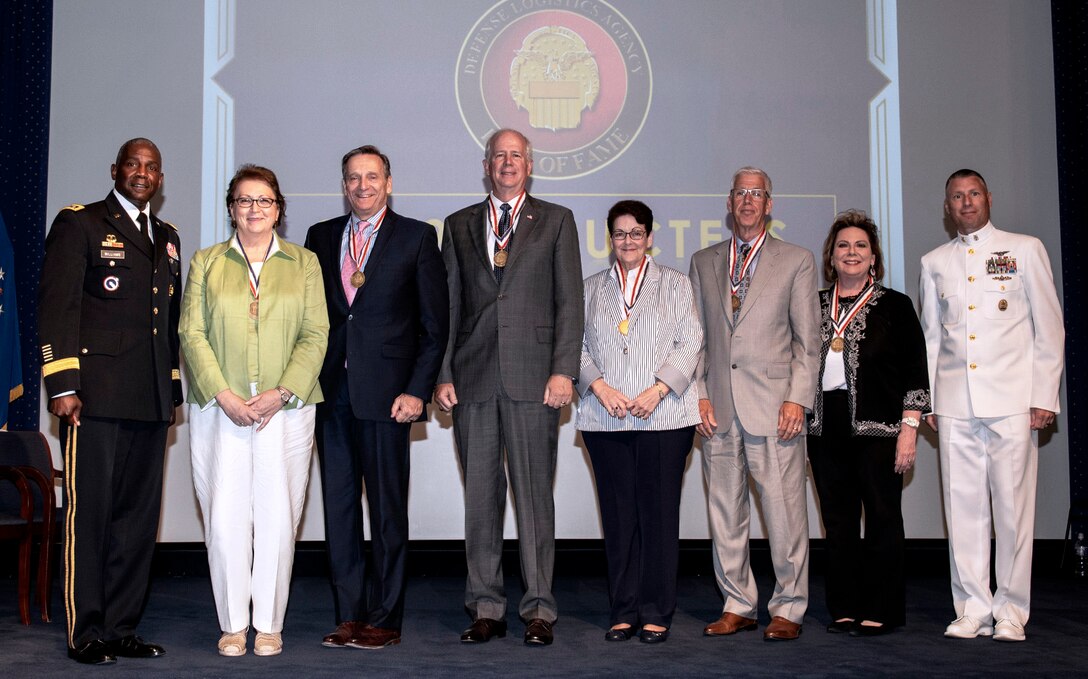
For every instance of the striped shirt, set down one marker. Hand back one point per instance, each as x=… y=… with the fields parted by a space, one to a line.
x=663 y=342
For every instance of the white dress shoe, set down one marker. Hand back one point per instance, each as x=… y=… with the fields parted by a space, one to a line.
x=967 y=627
x=1007 y=630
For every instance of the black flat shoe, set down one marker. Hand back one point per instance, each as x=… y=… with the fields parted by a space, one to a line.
x=647 y=636
x=840 y=626
x=619 y=634
x=859 y=630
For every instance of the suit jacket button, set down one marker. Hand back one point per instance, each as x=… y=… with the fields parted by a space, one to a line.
x=83 y=350
x=350 y=317
x=734 y=366
x=502 y=296
x=154 y=331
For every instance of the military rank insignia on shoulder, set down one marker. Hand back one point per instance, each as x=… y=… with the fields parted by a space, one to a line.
x=74 y=207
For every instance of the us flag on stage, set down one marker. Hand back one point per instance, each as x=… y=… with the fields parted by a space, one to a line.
x=11 y=372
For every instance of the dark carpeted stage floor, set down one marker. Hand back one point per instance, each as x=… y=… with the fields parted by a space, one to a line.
x=180 y=615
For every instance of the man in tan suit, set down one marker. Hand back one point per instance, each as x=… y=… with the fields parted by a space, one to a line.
x=757 y=300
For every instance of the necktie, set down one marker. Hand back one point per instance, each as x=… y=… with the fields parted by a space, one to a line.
x=349 y=266
x=738 y=267
x=141 y=218
x=504 y=229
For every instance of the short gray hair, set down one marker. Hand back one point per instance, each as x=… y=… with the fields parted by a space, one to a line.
x=748 y=169
x=495 y=135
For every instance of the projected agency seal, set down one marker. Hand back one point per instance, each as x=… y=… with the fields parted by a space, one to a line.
x=574 y=76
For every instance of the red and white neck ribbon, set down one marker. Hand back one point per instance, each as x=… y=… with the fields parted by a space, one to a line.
x=358 y=250
x=629 y=293
x=734 y=284
x=847 y=314
x=502 y=241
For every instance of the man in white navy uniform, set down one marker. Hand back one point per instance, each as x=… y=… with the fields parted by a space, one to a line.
x=994 y=338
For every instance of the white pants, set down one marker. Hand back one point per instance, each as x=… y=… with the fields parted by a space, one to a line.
x=251 y=487
x=990 y=460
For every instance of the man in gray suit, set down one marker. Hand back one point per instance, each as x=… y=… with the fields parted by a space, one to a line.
x=757 y=299
x=515 y=280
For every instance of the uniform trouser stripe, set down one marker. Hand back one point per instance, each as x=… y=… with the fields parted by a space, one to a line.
x=69 y=528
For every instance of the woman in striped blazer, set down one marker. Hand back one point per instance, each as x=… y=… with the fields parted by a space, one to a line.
x=637 y=415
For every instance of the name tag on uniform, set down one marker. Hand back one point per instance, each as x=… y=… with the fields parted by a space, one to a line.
x=112 y=254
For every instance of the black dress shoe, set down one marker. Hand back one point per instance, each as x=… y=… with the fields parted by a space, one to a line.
x=482 y=630
x=95 y=652
x=860 y=630
x=538 y=632
x=649 y=636
x=840 y=626
x=619 y=634
x=133 y=646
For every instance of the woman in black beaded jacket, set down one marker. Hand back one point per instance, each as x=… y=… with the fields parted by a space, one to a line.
x=874 y=387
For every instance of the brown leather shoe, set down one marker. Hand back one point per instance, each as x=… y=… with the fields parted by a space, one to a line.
x=482 y=630
x=372 y=638
x=343 y=633
x=781 y=629
x=538 y=632
x=729 y=623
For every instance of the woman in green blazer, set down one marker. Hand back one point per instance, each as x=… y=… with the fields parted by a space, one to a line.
x=253 y=331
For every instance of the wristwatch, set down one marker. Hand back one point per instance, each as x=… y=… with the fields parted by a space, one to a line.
x=911 y=422
x=285 y=396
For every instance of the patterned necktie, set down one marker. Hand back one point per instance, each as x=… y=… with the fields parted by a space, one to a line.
x=504 y=228
x=738 y=267
x=349 y=267
x=141 y=218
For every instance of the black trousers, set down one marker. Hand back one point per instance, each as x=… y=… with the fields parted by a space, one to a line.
x=865 y=578
x=358 y=456
x=113 y=479
x=638 y=476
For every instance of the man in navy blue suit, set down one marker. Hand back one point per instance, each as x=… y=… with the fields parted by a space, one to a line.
x=388 y=302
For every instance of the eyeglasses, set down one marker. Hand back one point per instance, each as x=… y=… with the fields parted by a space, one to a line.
x=263 y=202
x=636 y=236
x=756 y=194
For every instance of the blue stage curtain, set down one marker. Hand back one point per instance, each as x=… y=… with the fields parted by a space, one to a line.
x=26 y=44
x=1070 y=30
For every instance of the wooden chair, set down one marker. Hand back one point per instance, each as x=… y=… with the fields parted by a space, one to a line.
x=16 y=519
x=26 y=456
